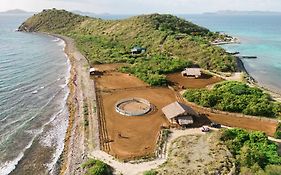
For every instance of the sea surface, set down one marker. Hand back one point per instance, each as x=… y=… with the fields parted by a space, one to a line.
x=260 y=36
x=34 y=71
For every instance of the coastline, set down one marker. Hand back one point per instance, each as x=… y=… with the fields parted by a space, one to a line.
x=250 y=80
x=72 y=104
x=80 y=93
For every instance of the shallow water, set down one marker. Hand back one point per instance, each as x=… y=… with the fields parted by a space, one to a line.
x=260 y=36
x=34 y=72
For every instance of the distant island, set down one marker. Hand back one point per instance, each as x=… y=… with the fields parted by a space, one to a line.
x=234 y=12
x=16 y=12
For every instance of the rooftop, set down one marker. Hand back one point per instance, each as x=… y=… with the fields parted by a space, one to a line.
x=192 y=71
x=176 y=109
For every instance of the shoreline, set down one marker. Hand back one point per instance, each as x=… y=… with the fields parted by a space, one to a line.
x=72 y=106
x=78 y=143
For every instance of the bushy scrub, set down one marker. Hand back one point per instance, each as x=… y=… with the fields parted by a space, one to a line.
x=150 y=172
x=110 y=41
x=278 y=131
x=152 y=69
x=235 y=97
x=253 y=151
x=96 y=167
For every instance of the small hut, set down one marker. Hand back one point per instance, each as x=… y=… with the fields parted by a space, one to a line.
x=191 y=72
x=137 y=50
x=178 y=113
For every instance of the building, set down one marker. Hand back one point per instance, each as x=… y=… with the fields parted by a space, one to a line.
x=178 y=113
x=138 y=50
x=191 y=72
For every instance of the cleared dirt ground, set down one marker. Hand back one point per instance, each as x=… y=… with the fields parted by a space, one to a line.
x=205 y=80
x=136 y=136
x=131 y=137
x=268 y=127
x=117 y=80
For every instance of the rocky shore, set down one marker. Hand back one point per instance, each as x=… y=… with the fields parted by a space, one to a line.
x=81 y=89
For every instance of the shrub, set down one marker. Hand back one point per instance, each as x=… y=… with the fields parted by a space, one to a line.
x=96 y=167
x=150 y=172
x=252 y=149
x=151 y=70
x=278 y=131
x=235 y=97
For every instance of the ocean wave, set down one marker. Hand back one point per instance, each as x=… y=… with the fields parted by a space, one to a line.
x=8 y=166
x=57 y=134
x=22 y=124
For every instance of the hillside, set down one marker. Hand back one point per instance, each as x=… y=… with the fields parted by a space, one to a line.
x=110 y=41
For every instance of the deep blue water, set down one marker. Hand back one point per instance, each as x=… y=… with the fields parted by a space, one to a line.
x=33 y=77
x=260 y=36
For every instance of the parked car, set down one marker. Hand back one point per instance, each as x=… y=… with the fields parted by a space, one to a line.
x=205 y=129
x=215 y=125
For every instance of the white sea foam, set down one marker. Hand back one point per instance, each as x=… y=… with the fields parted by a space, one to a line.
x=7 y=167
x=34 y=92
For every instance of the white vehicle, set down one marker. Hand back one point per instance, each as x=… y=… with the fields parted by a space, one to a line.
x=205 y=129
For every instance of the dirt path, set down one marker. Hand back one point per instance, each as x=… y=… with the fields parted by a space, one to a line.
x=138 y=168
x=83 y=93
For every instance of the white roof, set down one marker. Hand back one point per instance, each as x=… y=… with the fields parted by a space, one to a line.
x=192 y=71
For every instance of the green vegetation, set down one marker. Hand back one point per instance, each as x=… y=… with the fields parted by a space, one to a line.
x=255 y=154
x=86 y=113
x=235 y=97
x=96 y=167
x=152 y=69
x=150 y=172
x=110 y=41
x=278 y=131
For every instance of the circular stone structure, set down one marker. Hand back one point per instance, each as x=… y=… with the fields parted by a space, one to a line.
x=133 y=106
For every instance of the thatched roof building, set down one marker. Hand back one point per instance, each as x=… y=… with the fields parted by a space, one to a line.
x=193 y=72
x=179 y=113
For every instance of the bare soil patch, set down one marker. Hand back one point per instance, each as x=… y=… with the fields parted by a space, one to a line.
x=135 y=136
x=131 y=137
x=232 y=120
x=187 y=82
x=117 y=80
x=197 y=154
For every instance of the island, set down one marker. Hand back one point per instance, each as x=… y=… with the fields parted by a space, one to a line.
x=141 y=88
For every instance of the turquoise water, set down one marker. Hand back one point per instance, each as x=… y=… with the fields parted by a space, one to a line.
x=33 y=91
x=260 y=36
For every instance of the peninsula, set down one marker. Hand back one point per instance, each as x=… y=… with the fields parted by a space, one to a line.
x=130 y=87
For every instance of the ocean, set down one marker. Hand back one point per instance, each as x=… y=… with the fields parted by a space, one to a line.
x=260 y=36
x=34 y=71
